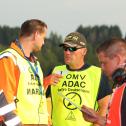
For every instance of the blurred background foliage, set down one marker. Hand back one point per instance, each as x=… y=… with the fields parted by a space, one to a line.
x=51 y=54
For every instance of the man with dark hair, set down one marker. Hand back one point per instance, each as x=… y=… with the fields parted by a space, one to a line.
x=112 y=57
x=21 y=77
x=81 y=83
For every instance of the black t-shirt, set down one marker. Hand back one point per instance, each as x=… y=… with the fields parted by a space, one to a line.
x=104 y=87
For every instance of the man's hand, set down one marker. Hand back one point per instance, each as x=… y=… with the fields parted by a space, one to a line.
x=92 y=116
x=52 y=79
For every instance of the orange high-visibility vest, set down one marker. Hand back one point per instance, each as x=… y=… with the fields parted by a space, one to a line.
x=114 y=115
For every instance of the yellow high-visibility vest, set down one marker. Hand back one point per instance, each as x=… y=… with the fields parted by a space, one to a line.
x=31 y=105
x=81 y=87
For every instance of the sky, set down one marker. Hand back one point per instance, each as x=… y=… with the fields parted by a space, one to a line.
x=64 y=16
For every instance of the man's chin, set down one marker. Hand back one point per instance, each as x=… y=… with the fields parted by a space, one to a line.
x=67 y=62
x=37 y=50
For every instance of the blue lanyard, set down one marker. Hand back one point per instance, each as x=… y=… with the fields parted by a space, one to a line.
x=35 y=70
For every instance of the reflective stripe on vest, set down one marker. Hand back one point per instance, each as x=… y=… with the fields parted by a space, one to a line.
x=13 y=122
x=31 y=107
x=6 y=110
x=114 y=115
x=8 y=54
x=79 y=86
x=4 y=106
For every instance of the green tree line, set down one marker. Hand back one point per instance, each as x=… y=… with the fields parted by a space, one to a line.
x=51 y=54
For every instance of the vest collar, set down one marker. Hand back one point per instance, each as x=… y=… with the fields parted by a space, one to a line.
x=85 y=66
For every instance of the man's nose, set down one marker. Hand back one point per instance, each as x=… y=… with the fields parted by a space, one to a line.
x=67 y=52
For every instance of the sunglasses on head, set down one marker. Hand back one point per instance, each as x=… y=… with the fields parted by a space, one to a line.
x=71 y=49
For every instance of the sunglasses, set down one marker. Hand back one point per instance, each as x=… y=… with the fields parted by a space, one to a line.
x=71 y=49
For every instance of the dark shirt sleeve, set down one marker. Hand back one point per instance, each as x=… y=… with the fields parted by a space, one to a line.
x=48 y=91
x=104 y=87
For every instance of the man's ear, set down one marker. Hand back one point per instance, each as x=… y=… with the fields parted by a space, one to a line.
x=84 y=52
x=118 y=59
x=35 y=35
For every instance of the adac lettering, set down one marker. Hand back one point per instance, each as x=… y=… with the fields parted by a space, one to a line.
x=72 y=81
x=73 y=84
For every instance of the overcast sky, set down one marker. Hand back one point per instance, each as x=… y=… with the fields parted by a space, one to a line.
x=64 y=16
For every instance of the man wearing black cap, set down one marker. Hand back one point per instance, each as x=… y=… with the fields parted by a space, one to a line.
x=81 y=84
